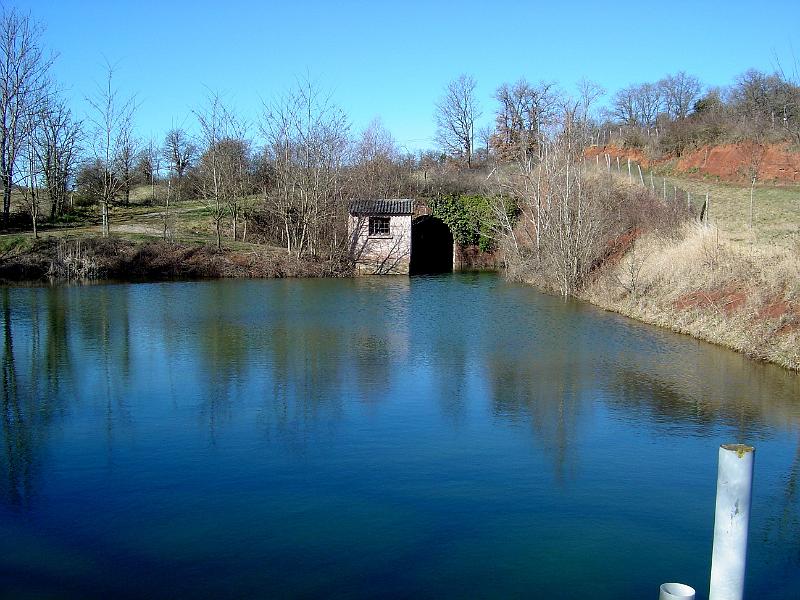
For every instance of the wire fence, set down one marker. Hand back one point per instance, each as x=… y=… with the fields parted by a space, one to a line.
x=700 y=206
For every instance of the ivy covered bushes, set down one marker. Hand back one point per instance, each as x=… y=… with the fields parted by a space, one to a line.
x=471 y=218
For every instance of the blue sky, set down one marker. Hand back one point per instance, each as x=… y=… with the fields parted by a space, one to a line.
x=392 y=59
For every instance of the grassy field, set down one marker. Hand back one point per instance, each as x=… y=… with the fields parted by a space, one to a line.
x=73 y=248
x=189 y=222
x=776 y=212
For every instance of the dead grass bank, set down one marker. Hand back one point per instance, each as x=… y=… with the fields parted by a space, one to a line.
x=706 y=286
x=57 y=259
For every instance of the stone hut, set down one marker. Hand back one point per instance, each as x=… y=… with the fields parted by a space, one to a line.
x=380 y=235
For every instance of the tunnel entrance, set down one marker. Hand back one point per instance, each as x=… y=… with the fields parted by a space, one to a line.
x=431 y=246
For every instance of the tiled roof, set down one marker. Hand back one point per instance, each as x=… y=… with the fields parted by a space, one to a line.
x=402 y=206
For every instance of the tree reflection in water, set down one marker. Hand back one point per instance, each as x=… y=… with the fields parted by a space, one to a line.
x=414 y=377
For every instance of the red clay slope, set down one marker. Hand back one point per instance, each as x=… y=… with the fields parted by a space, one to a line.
x=729 y=162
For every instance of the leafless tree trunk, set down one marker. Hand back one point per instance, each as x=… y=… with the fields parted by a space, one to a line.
x=23 y=78
x=32 y=172
x=456 y=113
x=149 y=166
x=59 y=138
x=113 y=121
x=216 y=187
x=127 y=149
x=756 y=155
x=179 y=153
x=307 y=143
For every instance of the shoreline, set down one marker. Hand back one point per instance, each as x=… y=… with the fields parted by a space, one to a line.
x=113 y=260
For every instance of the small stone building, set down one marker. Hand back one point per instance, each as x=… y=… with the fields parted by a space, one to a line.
x=380 y=235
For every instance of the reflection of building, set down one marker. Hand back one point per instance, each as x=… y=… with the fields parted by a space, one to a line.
x=380 y=235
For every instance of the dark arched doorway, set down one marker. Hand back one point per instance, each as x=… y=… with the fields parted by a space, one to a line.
x=431 y=246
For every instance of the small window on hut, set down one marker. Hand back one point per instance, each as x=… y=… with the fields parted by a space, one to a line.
x=379 y=225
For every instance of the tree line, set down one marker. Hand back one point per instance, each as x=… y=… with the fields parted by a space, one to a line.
x=284 y=178
x=554 y=216
x=287 y=177
x=670 y=115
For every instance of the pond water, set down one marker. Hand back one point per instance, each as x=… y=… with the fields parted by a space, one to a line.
x=452 y=436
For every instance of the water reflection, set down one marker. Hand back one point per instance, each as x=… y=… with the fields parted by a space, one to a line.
x=305 y=348
x=443 y=383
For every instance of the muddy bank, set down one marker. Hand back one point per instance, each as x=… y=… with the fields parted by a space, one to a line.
x=110 y=258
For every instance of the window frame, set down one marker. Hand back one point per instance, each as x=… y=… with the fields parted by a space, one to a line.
x=379 y=226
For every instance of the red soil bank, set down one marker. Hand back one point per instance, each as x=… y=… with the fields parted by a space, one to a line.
x=729 y=162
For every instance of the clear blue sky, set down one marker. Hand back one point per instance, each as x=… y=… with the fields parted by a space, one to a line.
x=392 y=59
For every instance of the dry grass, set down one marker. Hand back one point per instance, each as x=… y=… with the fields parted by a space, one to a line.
x=725 y=282
x=711 y=288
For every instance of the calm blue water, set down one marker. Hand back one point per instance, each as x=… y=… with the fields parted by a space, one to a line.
x=455 y=436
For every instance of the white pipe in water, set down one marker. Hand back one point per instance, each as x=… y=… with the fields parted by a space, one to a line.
x=676 y=591
x=731 y=521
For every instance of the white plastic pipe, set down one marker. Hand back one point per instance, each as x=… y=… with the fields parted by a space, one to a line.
x=731 y=521
x=676 y=591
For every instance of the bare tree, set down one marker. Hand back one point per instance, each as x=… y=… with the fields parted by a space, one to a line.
x=236 y=161
x=112 y=118
x=524 y=113
x=637 y=105
x=679 y=92
x=648 y=102
x=456 y=113
x=790 y=113
x=307 y=143
x=32 y=169
x=58 y=137
x=214 y=185
x=377 y=172
x=763 y=102
x=127 y=151
x=623 y=106
x=179 y=153
x=149 y=166
x=755 y=155
x=485 y=134
x=49 y=150
x=562 y=219
x=23 y=77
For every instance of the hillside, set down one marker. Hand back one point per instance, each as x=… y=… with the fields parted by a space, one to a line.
x=723 y=280
x=771 y=163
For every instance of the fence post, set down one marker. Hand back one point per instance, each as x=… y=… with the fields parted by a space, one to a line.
x=708 y=207
x=731 y=521
x=630 y=180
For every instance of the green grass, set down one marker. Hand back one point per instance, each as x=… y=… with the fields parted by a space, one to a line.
x=143 y=220
x=776 y=208
x=776 y=211
x=13 y=243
